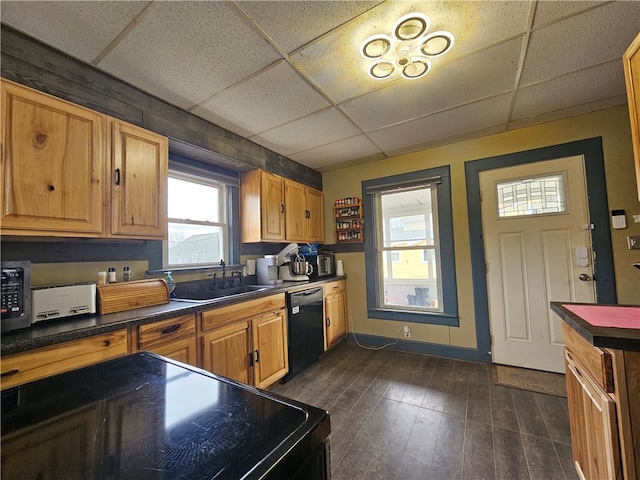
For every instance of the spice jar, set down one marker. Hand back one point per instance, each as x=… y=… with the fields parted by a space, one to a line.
x=111 y=275
x=126 y=274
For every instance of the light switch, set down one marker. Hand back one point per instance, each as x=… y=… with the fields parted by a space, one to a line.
x=634 y=242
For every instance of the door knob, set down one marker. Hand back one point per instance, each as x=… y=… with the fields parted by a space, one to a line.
x=584 y=277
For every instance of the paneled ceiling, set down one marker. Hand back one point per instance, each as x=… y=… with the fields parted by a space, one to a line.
x=288 y=75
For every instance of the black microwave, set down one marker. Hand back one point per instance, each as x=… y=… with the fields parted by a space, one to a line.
x=15 y=312
x=323 y=264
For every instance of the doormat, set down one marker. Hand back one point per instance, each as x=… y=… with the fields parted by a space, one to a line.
x=534 y=380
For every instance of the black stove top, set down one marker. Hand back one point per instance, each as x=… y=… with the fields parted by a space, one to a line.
x=142 y=416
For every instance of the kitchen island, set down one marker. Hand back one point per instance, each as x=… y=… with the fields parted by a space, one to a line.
x=602 y=360
x=144 y=416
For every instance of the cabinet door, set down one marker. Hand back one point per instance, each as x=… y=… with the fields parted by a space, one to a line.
x=53 y=165
x=335 y=309
x=226 y=352
x=272 y=207
x=315 y=216
x=183 y=350
x=139 y=183
x=270 y=354
x=295 y=213
x=594 y=432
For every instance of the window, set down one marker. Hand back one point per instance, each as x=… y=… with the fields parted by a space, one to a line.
x=409 y=254
x=202 y=206
x=197 y=221
x=531 y=196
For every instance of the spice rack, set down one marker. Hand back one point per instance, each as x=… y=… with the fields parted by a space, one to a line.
x=349 y=225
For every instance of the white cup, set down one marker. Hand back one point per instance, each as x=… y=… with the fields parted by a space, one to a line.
x=339 y=267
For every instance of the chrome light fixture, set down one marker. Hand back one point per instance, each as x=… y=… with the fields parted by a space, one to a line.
x=406 y=50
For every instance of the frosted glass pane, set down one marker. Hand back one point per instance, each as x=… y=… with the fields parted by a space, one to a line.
x=531 y=196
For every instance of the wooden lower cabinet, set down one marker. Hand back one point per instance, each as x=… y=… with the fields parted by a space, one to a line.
x=226 y=351
x=271 y=358
x=42 y=362
x=247 y=342
x=603 y=388
x=594 y=430
x=173 y=338
x=335 y=312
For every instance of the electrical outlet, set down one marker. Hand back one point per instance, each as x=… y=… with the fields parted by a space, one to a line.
x=407 y=332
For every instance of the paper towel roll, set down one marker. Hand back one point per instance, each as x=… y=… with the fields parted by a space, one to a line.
x=339 y=267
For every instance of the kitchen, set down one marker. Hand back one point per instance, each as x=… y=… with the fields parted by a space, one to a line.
x=610 y=123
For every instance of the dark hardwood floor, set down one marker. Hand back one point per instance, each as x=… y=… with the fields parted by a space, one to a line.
x=398 y=415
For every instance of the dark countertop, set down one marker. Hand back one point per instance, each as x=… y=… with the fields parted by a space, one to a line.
x=46 y=333
x=599 y=336
x=144 y=416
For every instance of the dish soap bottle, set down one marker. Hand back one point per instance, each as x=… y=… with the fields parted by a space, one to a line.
x=171 y=283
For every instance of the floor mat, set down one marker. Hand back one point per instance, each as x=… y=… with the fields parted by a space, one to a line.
x=533 y=380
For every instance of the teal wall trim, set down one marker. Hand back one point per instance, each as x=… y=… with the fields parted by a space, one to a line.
x=435 y=349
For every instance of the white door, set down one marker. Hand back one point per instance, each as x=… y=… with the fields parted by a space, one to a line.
x=538 y=250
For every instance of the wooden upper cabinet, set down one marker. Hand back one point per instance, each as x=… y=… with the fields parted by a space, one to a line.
x=59 y=180
x=261 y=207
x=631 y=60
x=139 y=161
x=274 y=209
x=304 y=213
x=315 y=216
x=295 y=208
x=53 y=168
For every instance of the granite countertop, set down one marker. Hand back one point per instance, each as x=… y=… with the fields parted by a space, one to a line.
x=46 y=333
x=144 y=416
x=607 y=326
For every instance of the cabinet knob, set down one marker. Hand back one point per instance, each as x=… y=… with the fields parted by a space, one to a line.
x=171 y=329
x=117 y=176
x=9 y=373
x=257 y=356
x=51 y=188
x=107 y=343
x=328 y=322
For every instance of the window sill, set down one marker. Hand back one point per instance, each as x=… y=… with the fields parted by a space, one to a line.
x=415 y=317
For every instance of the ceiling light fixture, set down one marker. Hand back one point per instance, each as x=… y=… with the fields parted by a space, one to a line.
x=406 y=50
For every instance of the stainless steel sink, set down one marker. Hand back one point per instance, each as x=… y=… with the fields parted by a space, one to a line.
x=201 y=296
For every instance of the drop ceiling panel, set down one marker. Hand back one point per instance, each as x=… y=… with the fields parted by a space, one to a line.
x=446 y=86
x=547 y=12
x=582 y=41
x=468 y=118
x=305 y=20
x=260 y=103
x=308 y=132
x=577 y=88
x=184 y=52
x=344 y=150
x=81 y=29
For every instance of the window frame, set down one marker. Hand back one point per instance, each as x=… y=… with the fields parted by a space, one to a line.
x=441 y=176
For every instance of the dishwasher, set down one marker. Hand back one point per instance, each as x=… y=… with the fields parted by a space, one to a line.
x=306 y=329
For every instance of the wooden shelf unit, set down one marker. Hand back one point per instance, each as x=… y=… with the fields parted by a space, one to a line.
x=349 y=224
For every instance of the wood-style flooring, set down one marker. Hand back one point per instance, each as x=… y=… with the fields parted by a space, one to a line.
x=398 y=415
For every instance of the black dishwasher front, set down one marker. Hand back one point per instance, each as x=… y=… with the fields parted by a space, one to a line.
x=306 y=329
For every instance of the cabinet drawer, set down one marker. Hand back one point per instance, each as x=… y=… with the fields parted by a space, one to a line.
x=334 y=286
x=232 y=313
x=166 y=331
x=595 y=360
x=43 y=362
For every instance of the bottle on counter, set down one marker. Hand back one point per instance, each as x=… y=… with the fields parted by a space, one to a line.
x=102 y=278
x=111 y=275
x=126 y=274
x=171 y=284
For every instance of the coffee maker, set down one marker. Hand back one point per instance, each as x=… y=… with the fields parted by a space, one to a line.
x=292 y=266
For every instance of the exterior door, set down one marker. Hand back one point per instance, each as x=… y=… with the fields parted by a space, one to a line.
x=537 y=242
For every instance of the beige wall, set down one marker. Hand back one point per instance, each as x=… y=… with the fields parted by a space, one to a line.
x=611 y=124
